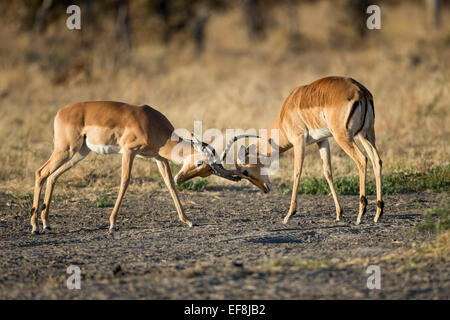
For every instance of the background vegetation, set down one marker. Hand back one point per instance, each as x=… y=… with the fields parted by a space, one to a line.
x=230 y=64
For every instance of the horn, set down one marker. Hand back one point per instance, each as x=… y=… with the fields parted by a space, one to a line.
x=220 y=171
x=213 y=161
x=205 y=148
x=231 y=142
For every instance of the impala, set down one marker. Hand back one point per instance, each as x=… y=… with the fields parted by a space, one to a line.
x=107 y=127
x=336 y=107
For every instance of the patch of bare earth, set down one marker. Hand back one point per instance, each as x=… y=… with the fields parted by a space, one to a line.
x=239 y=250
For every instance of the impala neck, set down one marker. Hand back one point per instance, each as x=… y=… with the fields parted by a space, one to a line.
x=177 y=150
x=275 y=133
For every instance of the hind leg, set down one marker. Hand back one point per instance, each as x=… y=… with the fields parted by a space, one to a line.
x=351 y=148
x=56 y=160
x=51 y=180
x=369 y=145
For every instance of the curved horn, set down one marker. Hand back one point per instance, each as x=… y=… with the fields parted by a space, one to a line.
x=213 y=161
x=231 y=142
x=206 y=149
x=220 y=171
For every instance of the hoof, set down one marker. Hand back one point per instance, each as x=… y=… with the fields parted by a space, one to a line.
x=47 y=227
x=285 y=220
x=358 y=222
x=113 y=229
x=35 y=231
x=192 y=224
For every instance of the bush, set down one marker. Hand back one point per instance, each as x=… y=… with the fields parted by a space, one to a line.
x=436 y=219
x=101 y=201
x=194 y=185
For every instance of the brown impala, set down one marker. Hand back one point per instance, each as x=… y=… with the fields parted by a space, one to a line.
x=107 y=127
x=329 y=107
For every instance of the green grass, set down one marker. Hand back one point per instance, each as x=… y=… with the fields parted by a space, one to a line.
x=24 y=202
x=436 y=180
x=194 y=185
x=101 y=201
x=436 y=219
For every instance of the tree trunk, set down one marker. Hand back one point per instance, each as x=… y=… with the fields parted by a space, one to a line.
x=255 y=18
x=294 y=29
x=41 y=14
x=122 y=24
x=434 y=12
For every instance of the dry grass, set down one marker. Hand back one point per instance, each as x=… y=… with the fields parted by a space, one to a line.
x=429 y=254
x=235 y=84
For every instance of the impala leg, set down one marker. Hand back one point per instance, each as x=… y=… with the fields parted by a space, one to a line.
x=299 y=155
x=372 y=152
x=127 y=163
x=324 y=150
x=56 y=160
x=164 y=169
x=352 y=149
x=51 y=180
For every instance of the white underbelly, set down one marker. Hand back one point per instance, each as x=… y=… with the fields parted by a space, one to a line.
x=316 y=135
x=103 y=149
x=141 y=156
x=110 y=149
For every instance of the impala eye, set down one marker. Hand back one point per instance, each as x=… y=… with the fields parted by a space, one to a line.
x=199 y=164
x=245 y=173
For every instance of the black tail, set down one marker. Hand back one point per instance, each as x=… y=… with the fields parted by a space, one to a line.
x=364 y=104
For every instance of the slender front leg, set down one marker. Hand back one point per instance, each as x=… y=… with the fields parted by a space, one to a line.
x=324 y=150
x=164 y=169
x=299 y=155
x=127 y=163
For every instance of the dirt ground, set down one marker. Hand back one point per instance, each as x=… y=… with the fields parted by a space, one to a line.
x=231 y=254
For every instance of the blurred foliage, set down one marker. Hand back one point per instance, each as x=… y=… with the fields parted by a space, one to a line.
x=165 y=19
x=169 y=17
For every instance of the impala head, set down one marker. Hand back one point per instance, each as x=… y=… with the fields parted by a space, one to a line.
x=209 y=163
x=193 y=166
x=251 y=168
x=202 y=163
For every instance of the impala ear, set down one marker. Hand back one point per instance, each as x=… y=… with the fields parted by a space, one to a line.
x=251 y=154
x=273 y=144
x=242 y=154
x=252 y=150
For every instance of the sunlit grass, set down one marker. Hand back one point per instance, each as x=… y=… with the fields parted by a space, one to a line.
x=436 y=180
